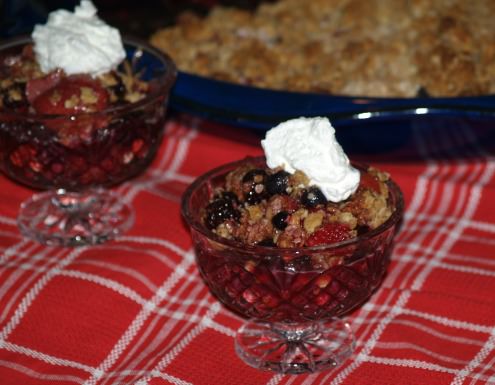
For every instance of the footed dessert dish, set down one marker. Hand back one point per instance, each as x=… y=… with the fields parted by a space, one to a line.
x=292 y=241
x=80 y=109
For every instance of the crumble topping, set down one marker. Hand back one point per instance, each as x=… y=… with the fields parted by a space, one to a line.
x=394 y=48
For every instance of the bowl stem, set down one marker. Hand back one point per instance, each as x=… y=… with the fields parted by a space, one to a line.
x=64 y=218
x=296 y=347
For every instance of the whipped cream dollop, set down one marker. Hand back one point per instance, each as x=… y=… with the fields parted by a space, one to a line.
x=309 y=145
x=77 y=42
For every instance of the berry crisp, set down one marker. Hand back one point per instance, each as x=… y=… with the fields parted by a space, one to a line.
x=76 y=131
x=270 y=207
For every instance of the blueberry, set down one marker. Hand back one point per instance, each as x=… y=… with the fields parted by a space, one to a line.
x=279 y=220
x=230 y=196
x=266 y=242
x=277 y=183
x=313 y=197
x=362 y=229
x=256 y=175
x=253 y=186
x=219 y=211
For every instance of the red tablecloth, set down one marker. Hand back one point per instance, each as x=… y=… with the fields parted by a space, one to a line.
x=135 y=311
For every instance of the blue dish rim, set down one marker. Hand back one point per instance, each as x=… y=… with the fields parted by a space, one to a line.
x=261 y=109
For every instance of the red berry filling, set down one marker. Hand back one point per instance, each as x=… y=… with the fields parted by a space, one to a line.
x=329 y=233
x=369 y=181
x=71 y=95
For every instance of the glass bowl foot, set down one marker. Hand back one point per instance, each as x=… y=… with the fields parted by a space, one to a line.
x=295 y=348
x=62 y=218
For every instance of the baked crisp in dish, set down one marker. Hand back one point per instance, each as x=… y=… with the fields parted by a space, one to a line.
x=75 y=130
x=394 y=48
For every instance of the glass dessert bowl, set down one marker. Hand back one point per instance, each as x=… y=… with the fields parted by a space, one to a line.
x=77 y=152
x=292 y=296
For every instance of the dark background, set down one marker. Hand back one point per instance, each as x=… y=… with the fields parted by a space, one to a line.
x=137 y=17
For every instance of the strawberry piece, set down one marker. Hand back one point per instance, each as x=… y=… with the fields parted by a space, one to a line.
x=38 y=86
x=368 y=181
x=72 y=95
x=329 y=233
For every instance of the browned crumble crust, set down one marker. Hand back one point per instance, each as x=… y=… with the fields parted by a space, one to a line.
x=365 y=210
x=349 y=47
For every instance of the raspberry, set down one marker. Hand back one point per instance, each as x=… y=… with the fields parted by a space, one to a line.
x=23 y=155
x=322 y=299
x=329 y=233
x=368 y=181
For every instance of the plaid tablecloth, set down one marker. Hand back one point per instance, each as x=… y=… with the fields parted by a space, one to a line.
x=135 y=311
